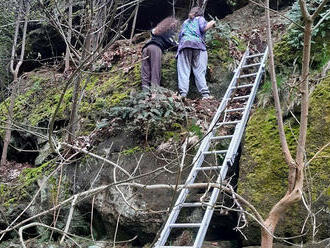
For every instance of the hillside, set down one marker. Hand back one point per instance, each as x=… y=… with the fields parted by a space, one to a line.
x=95 y=185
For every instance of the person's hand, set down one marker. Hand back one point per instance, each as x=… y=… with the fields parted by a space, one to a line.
x=209 y=25
x=212 y=23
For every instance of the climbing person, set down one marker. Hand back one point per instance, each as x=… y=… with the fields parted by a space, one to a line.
x=162 y=38
x=192 y=54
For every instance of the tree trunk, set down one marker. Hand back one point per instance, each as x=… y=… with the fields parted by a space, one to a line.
x=134 y=20
x=296 y=170
x=304 y=92
x=73 y=125
x=15 y=72
x=69 y=34
x=10 y=121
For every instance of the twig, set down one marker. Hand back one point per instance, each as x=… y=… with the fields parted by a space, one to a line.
x=277 y=13
x=68 y=222
x=20 y=231
x=115 y=235
x=83 y=150
x=316 y=154
x=92 y=216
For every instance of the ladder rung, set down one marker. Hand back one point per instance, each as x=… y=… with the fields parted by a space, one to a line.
x=208 y=168
x=173 y=246
x=250 y=65
x=221 y=137
x=215 y=152
x=227 y=123
x=206 y=148
x=183 y=225
x=248 y=75
x=239 y=97
x=255 y=55
x=234 y=110
x=191 y=204
x=243 y=86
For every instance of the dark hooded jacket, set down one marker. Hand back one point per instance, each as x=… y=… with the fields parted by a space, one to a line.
x=163 y=41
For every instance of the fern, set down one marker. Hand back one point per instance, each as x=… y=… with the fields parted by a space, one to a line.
x=152 y=112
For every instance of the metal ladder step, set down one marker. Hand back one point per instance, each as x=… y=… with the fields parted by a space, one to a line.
x=222 y=137
x=239 y=97
x=248 y=75
x=191 y=204
x=243 y=86
x=234 y=110
x=255 y=55
x=209 y=168
x=250 y=65
x=183 y=225
x=206 y=148
x=215 y=152
x=227 y=123
x=173 y=246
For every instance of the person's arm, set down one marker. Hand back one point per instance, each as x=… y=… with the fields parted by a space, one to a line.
x=172 y=45
x=209 y=25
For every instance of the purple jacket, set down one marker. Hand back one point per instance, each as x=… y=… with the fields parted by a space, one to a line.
x=192 y=34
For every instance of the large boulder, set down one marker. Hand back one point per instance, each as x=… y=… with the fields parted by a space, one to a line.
x=263 y=174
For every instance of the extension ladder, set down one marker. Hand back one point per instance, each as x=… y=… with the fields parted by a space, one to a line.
x=227 y=127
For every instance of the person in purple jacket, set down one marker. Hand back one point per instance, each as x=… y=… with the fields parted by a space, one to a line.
x=162 y=38
x=192 y=52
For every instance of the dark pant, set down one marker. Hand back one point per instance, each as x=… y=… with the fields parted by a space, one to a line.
x=151 y=66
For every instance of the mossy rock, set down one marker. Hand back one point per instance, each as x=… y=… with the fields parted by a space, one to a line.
x=287 y=55
x=263 y=172
x=36 y=105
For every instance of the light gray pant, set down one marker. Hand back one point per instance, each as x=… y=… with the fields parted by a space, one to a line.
x=151 y=66
x=196 y=60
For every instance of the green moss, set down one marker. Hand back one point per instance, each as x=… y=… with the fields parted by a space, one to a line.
x=11 y=194
x=169 y=72
x=263 y=169
x=286 y=54
x=131 y=151
x=319 y=135
x=30 y=175
x=196 y=129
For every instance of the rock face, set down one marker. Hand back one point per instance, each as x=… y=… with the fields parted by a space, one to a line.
x=131 y=211
x=263 y=171
x=137 y=211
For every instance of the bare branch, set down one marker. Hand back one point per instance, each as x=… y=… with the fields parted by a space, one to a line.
x=304 y=10
x=20 y=231
x=277 y=13
x=68 y=222
x=316 y=154
x=319 y=9
x=321 y=20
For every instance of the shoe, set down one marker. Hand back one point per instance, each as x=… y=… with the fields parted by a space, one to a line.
x=207 y=97
x=182 y=97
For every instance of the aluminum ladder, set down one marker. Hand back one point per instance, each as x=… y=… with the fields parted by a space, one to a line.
x=237 y=100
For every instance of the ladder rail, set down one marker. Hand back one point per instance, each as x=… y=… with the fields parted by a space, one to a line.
x=240 y=127
x=229 y=90
x=202 y=151
x=199 y=157
x=230 y=156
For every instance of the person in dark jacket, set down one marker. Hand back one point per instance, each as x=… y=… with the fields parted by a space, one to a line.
x=162 y=38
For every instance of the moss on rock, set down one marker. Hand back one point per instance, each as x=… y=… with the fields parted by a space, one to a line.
x=263 y=179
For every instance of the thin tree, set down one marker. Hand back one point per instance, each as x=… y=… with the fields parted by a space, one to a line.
x=69 y=35
x=296 y=166
x=96 y=31
x=23 y=11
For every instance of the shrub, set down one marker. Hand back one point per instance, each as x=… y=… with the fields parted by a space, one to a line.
x=150 y=113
